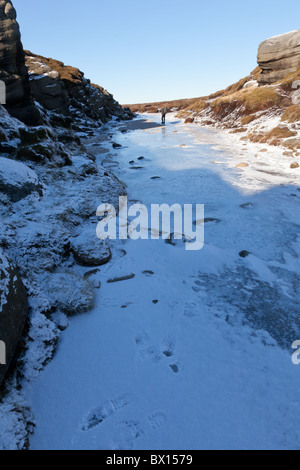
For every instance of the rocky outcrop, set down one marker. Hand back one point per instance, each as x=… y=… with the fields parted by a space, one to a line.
x=279 y=56
x=13 y=311
x=65 y=89
x=13 y=71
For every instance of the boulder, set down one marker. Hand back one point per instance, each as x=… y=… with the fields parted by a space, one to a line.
x=279 y=56
x=13 y=71
x=17 y=181
x=13 y=312
x=88 y=250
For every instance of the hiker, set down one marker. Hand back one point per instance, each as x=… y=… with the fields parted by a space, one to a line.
x=163 y=115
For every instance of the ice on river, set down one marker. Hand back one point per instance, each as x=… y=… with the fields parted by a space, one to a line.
x=194 y=352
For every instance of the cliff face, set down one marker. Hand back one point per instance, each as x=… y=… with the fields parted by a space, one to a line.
x=42 y=147
x=64 y=89
x=13 y=310
x=56 y=87
x=278 y=57
x=12 y=68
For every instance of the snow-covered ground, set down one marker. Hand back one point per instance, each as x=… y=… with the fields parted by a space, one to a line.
x=194 y=352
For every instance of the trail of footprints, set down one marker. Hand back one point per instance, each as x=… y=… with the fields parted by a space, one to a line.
x=106 y=409
x=127 y=431
x=146 y=350
x=167 y=351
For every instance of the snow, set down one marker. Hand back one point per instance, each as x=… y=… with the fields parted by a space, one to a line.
x=16 y=173
x=209 y=365
x=194 y=352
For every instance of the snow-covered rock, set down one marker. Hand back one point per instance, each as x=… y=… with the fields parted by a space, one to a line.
x=251 y=84
x=89 y=250
x=17 y=181
x=69 y=292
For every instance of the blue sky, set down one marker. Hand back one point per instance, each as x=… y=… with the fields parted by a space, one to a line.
x=155 y=50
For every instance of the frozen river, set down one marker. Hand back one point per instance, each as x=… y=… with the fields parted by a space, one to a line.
x=194 y=352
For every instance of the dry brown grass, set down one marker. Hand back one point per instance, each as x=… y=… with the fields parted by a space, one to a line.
x=155 y=106
x=292 y=144
x=193 y=108
x=67 y=73
x=247 y=104
x=273 y=137
x=291 y=114
x=252 y=99
x=248 y=119
x=286 y=83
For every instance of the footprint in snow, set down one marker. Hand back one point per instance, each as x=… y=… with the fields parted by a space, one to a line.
x=154 y=354
x=176 y=368
x=146 y=350
x=127 y=432
x=157 y=420
x=168 y=346
x=105 y=410
x=190 y=310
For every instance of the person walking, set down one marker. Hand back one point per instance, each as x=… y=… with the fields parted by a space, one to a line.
x=163 y=115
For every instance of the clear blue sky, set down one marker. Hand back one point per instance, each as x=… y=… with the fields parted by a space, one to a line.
x=155 y=50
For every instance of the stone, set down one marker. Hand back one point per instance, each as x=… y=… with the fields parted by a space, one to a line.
x=251 y=84
x=244 y=254
x=13 y=311
x=247 y=205
x=294 y=165
x=13 y=71
x=121 y=278
x=88 y=250
x=242 y=165
x=279 y=56
x=17 y=181
x=148 y=273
